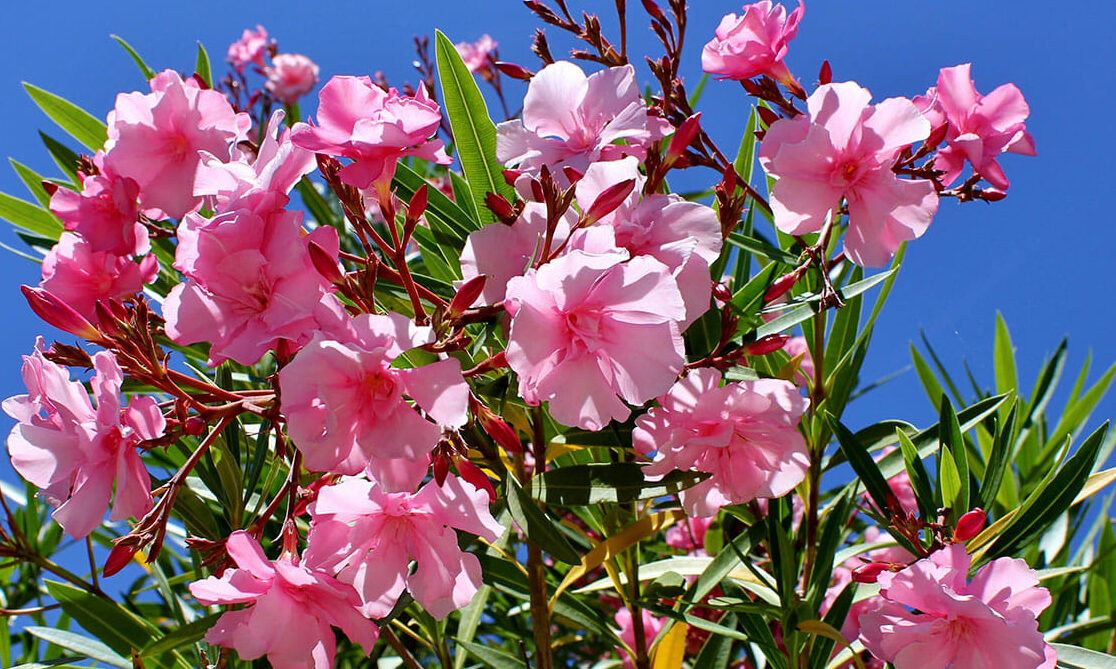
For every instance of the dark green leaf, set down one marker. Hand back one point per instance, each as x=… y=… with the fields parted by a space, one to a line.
x=119 y=629
x=808 y=306
x=33 y=180
x=148 y=73
x=581 y=485
x=81 y=125
x=202 y=68
x=954 y=448
x=183 y=636
x=998 y=460
x=493 y=657
x=63 y=156
x=920 y=479
x=862 y=463
x=540 y=529
x=91 y=648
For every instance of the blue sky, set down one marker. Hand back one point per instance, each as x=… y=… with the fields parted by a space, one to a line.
x=1040 y=256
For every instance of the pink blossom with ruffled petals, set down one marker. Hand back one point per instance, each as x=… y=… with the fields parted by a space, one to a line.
x=574 y=120
x=933 y=617
x=77 y=454
x=651 y=626
x=589 y=329
x=291 y=76
x=251 y=284
x=690 y=535
x=250 y=48
x=369 y=536
x=844 y=148
x=981 y=127
x=156 y=138
x=372 y=127
x=346 y=405
x=105 y=213
x=754 y=43
x=81 y=277
x=684 y=236
x=292 y=608
x=475 y=54
x=744 y=434
x=275 y=168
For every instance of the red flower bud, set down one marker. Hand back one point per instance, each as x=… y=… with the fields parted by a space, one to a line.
x=474 y=475
x=969 y=525
x=59 y=314
x=441 y=468
x=781 y=286
x=937 y=135
x=767 y=116
x=654 y=10
x=499 y=205
x=466 y=296
x=868 y=573
x=418 y=204
x=119 y=557
x=511 y=176
x=607 y=202
x=825 y=75
x=767 y=344
x=514 y=70
x=682 y=138
x=325 y=264
x=194 y=426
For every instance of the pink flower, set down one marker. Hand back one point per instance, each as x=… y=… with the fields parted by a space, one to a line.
x=360 y=121
x=573 y=120
x=81 y=277
x=369 y=537
x=651 y=627
x=981 y=127
x=690 y=536
x=475 y=54
x=77 y=454
x=291 y=76
x=345 y=402
x=155 y=139
x=250 y=283
x=744 y=434
x=105 y=213
x=275 y=168
x=753 y=44
x=794 y=347
x=684 y=236
x=291 y=610
x=592 y=322
x=250 y=48
x=933 y=617
x=843 y=575
x=844 y=148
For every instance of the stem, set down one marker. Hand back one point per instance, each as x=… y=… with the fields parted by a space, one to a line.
x=92 y=564
x=540 y=612
x=641 y=659
x=409 y=660
x=817 y=394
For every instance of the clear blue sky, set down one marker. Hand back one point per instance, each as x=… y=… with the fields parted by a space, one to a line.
x=1041 y=256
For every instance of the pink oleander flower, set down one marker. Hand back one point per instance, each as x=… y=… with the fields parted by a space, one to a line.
x=744 y=434
x=600 y=325
x=475 y=54
x=156 y=138
x=291 y=76
x=81 y=277
x=796 y=346
x=77 y=454
x=372 y=127
x=346 y=405
x=980 y=127
x=369 y=537
x=250 y=48
x=250 y=282
x=843 y=575
x=684 y=236
x=754 y=43
x=844 y=148
x=275 y=168
x=933 y=617
x=292 y=608
x=652 y=625
x=105 y=213
x=574 y=120
x=690 y=535
x=501 y=252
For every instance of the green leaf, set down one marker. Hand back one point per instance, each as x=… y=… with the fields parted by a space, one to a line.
x=926 y=376
x=581 y=485
x=184 y=635
x=474 y=133
x=81 y=125
x=91 y=648
x=862 y=463
x=119 y=629
x=807 y=307
x=540 y=529
x=717 y=650
x=493 y=657
x=1003 y=357
x=998 y=461
x=1075 y=657
x=953 y=445
x=920 y=479
x=759 y=247
x=63 y=156
x=202 y=68
x=33 y=180
x=148 y=73
x=30 y=217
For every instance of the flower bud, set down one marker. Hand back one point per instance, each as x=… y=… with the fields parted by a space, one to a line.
x=59 y=314
x=573 y=175
x=767 y=116
x=325 y=264
x=608 y=201
x=466 y=296
x=511 y=176
x=682 y=138
x=514 y=71
x=868 y=573
x=654 y=10
x=194 y=426
x=441 y=468
x=50 y=187
x=418 y=204
x=478 y=478
x=825 y=75
x=781 y=286
x=499 y=205
x=119 y=557
x=969 y=525
x=767 y=344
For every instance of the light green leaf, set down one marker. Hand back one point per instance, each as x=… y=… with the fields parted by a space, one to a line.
x=148 y=73
x=202 y=67
x=81 y=125
x=184 y=635
x=30 y=217
x=1075 y=657
x=90 y=648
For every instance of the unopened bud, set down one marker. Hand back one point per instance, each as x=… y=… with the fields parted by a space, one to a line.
x=608 y=201
x=781 y=286
x=937 y=135
x=466 y=296
x=654 y=10
x=59 y=314
x=514 y=70
x=325 y=264
x=511 y=176
x=767 y=116
x=992 y=194
x=767 y=344
x=441 y=468
x=474 y=475
x=499 y=205
x=120 y=555
x=721 y=292
x=682 y=138
x=194 y=426
x=418 y=204
x=106 y=319
x=825 y=75
x=969 y=525
x=868 y=573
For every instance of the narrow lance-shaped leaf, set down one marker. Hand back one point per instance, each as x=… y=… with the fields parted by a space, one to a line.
x=82 y=126
x=202 y=67
x=147 y=72
x=540 y=529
